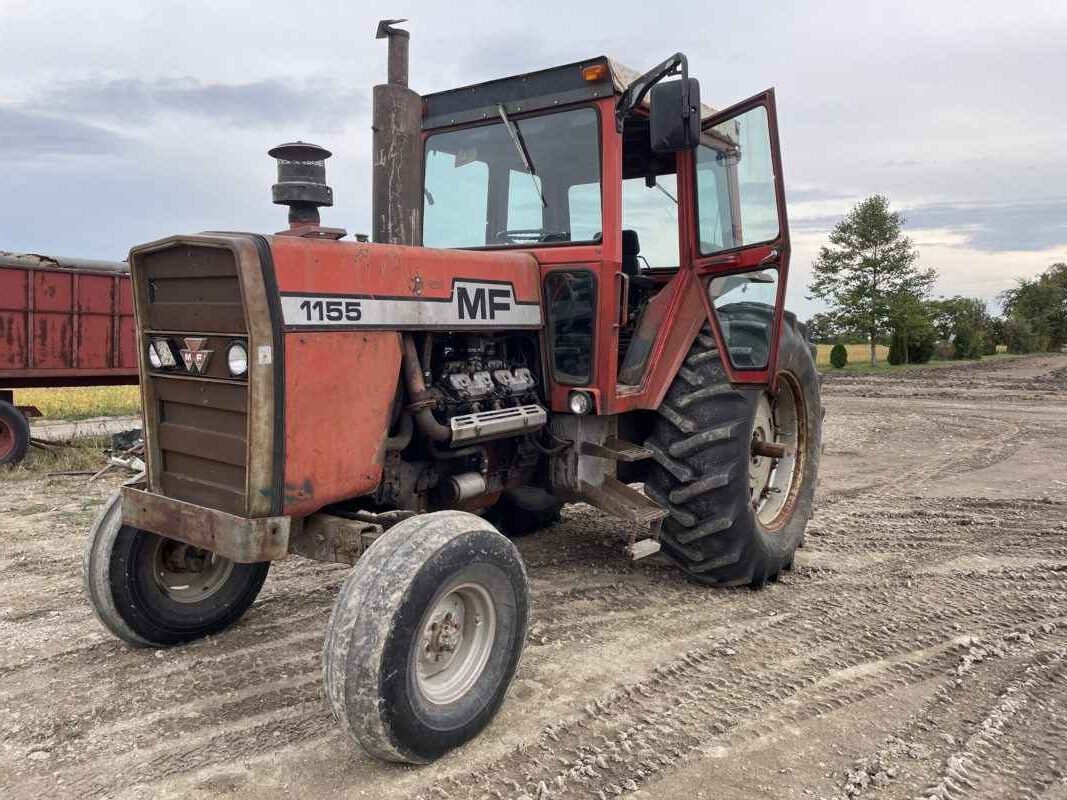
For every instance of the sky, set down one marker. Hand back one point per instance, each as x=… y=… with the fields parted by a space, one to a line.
x=124 y=122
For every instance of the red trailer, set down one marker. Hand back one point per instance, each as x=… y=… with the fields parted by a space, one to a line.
x=63 y=322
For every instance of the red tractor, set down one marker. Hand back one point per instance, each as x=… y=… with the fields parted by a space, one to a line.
x=575 y=287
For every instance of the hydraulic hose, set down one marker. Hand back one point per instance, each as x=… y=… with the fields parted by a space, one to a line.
x=402 y=438
x=420 y=399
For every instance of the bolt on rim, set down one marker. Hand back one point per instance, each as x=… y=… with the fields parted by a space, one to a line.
x=188 y=574
x=774 y=480
x=454 y=643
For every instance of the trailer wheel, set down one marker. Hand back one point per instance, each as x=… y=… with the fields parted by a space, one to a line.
x=151 y=591
x=736 y=517
x=14 y=434
x=425 y=636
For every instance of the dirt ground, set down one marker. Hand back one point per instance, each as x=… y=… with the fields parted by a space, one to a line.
x=918 y=649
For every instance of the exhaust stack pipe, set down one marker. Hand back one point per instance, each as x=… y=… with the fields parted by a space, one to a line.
x=396 y=194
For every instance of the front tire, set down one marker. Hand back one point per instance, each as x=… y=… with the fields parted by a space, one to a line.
x=151 y=591
x=425 y=636
x=737 y=518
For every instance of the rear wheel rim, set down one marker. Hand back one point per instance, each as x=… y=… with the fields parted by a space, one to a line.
x=187 y=574
x=454 y=643
x=7 y=439
x=775 y=482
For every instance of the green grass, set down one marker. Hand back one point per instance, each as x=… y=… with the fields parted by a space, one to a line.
x=82 y=402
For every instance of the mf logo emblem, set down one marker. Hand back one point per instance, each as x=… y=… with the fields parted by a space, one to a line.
x=481 y=303
x=194 y=356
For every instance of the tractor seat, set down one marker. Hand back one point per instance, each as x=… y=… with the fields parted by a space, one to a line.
x=631 y=265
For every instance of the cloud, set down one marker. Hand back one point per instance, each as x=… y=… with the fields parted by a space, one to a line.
x=1017 y=227
x=1001 y=227
x=269 y=101
x=27 y=135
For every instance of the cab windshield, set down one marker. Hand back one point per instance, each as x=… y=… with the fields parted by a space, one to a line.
x=539 y=182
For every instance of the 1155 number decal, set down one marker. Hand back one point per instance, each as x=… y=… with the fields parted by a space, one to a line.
x=332 y=310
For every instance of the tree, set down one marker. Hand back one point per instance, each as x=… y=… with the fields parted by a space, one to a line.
x=839 y=356
x=913 y=330
x=1040 y=305
x=869 y=264
x=966 y=321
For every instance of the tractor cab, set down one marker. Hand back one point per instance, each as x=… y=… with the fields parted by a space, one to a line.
x=631 y=194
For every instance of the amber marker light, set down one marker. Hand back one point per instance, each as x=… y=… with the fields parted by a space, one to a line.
x=597 y=72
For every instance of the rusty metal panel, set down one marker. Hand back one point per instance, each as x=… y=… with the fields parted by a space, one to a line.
x=63 y=325
x=339 y=388
x=240 y=539
x=193 y=289
x=14 y=352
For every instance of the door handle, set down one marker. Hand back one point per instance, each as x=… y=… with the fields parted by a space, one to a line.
x=624 y=299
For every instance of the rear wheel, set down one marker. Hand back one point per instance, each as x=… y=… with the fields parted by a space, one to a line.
x=151 y=591
x=14 y=434
x=738 y=504
x=425 y=636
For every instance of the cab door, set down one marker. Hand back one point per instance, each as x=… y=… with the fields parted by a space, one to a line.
x=739 y=235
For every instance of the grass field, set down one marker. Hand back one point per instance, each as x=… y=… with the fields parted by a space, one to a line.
x=856 y=353
x=82 y=402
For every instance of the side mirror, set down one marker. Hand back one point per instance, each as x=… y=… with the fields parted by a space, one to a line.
x=672 y=128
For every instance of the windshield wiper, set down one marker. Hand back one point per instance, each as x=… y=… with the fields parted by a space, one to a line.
x=520 y=147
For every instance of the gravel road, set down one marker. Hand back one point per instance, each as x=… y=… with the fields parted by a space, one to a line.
x=919 y=648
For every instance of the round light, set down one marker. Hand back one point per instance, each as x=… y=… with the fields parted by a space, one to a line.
x=237 y=359
x=580 y=402
x=153 y=357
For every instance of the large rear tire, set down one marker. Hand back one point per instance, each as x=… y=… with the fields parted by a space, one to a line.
x=155 y=592
x=736 y=518
x=14 y=434
x=425 y=636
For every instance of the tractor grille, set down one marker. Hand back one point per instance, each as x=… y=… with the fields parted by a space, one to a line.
x=199 y=420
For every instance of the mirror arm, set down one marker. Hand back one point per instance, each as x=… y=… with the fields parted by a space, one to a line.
x=640 y=87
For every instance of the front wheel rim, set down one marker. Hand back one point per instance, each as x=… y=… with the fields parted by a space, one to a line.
x=454 y=643
x=188 y=574
x=774 y=483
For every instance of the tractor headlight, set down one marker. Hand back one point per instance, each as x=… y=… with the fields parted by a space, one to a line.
x=160 y=355
x=580 y=402
x=237 y=359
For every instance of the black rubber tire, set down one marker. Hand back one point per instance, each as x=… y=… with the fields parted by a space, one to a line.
x=526 y=510
x=16 y=430
x=701 y=444
x=368 y=648
x=128 y=600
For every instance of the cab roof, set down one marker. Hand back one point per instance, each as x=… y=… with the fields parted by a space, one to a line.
x=531 y=91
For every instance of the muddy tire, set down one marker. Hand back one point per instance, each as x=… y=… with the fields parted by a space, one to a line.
x=425 y=636
x=14 y=434
x=737 y=519
x=155 y=592
x=525 y=510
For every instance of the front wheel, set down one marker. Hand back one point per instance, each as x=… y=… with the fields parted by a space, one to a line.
x=425 y=636
x=151 y=591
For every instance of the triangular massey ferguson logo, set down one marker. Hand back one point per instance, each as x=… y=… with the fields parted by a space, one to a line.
x=195 y=358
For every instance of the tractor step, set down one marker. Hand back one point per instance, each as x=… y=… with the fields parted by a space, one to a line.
x=619 y=499
x=616 y=449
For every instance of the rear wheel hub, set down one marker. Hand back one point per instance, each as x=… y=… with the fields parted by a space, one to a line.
x=773 y=480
